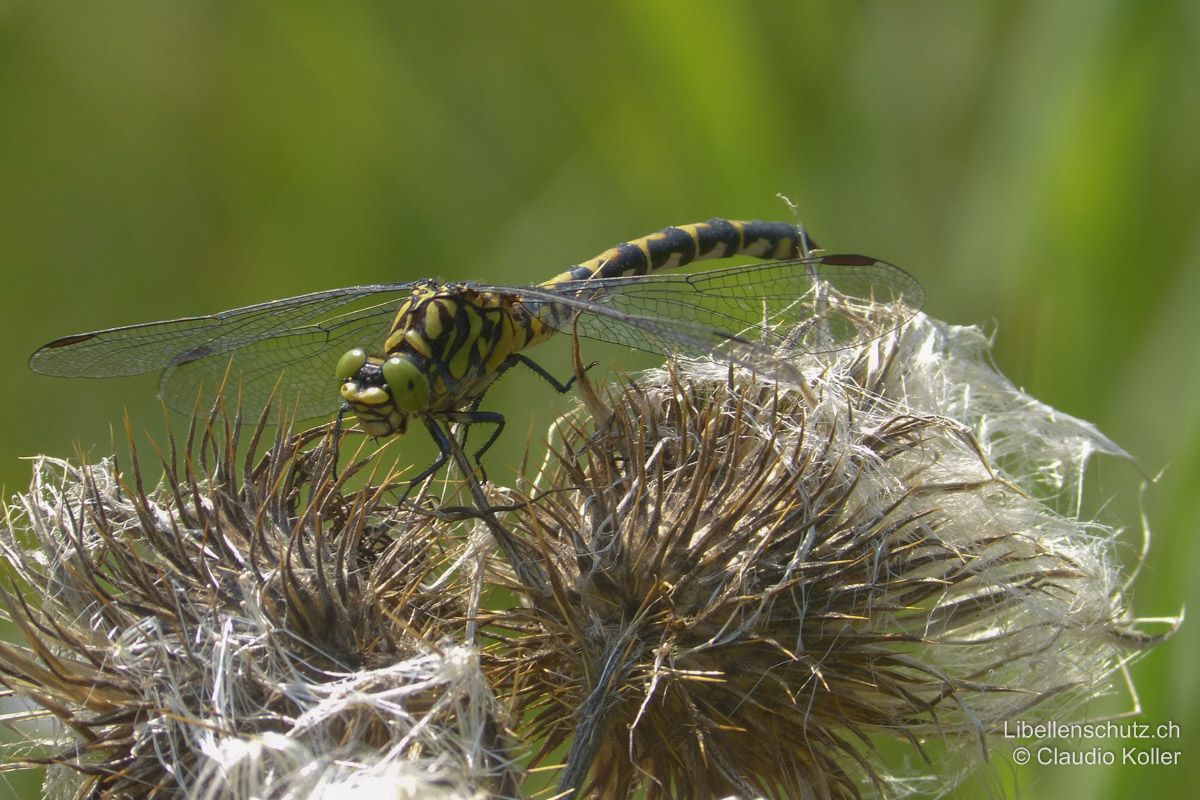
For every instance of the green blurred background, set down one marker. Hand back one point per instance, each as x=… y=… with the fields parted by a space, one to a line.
x=1036 y=165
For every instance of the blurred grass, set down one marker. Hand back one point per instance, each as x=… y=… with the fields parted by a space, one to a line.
x=1034 y=164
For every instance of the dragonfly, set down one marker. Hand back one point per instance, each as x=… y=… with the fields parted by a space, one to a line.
x=429 y=351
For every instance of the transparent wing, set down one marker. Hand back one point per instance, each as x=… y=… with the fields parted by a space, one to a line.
x=295 y=341
x=756 y=315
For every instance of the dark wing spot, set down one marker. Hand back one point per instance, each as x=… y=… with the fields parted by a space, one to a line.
x=848 y=260
x=67 y=341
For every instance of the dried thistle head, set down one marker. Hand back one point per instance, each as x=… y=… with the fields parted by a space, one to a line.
x=751 y=588
x=727 y=586
x=242 y=632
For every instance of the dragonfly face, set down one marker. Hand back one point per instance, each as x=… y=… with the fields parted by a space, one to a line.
x=382 y=393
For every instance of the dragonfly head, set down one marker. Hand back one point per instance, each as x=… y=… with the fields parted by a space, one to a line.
x=382 y=393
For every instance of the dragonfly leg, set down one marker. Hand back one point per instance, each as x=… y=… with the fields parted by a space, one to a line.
x=473 y=417
x=473 y=409
x=560 y=386
x=444 y=450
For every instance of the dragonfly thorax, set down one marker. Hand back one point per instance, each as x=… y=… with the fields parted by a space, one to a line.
x=447 y=345
x=381 y=392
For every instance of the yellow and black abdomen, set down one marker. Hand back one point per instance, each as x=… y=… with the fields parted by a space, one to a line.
x=676 y=246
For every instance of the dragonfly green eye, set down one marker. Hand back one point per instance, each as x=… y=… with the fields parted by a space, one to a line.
x=410 y=388
x=350 y=363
